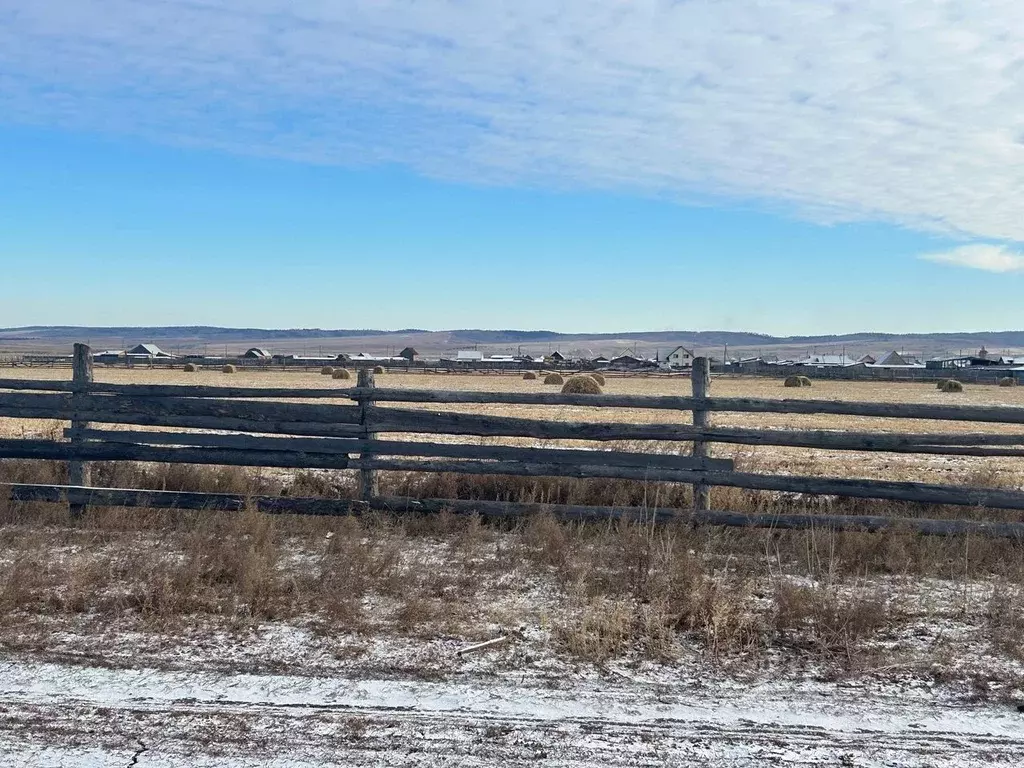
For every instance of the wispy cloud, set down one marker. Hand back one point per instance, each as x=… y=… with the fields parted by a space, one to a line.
x=990 y=258
x=902 y=111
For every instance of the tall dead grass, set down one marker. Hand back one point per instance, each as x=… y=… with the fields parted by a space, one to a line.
x=614 y=590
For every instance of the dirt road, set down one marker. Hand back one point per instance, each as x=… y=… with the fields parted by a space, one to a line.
x=61 y=715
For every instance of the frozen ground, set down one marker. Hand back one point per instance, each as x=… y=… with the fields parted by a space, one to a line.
x=59 y=714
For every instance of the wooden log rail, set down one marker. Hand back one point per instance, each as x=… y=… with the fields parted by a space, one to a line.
x=973 y=413
x=397 y=448
x=261 y=427
x=545 y=465
x=334 y=420
x=183 y=500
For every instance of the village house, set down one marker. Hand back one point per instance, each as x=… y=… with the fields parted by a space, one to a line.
x=680 y=357
x=894 y=358
x=147 y=351
x=629 y=362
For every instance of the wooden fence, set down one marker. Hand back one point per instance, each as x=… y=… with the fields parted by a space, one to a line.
x=988 y=375
x=259 y=427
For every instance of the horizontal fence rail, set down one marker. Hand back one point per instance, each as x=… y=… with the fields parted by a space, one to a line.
x=117 y=497
x=367 y=429
x=973 y=413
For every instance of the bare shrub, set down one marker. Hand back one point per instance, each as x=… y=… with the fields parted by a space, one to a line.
x=604 y=629
x=826 y=621
x=546 y=541
x=1004 y=620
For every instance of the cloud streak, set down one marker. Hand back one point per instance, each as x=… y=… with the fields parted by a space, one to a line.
x=870 y=110
x=989 y=258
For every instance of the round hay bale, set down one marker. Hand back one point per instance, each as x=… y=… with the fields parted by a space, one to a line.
x=554 y=378
x=341 y=373
x=598 y=378
x=792 y=381
x=228 y=369
x=327 y=371
x=1008 y=381
x=190 y=368
x=529 y=376
x=581 y=385
x=952 y=385
x=804 y=381
x=378 y=369
x=939 y=383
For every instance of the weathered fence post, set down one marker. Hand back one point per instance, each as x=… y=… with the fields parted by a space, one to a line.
x=79 y=473
x=369 y=483
x=700 y=379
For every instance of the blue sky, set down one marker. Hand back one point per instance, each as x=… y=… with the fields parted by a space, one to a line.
x=580 y=166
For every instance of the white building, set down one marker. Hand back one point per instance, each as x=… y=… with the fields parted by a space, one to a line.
x=469 y=356
x=680 y=357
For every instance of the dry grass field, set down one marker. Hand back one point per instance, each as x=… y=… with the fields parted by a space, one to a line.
x=599 y=592
x=386 y=597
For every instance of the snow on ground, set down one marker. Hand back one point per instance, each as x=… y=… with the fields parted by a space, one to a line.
x=54 y=714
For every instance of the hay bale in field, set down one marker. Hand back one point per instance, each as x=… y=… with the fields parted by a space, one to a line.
x=792 y=381
x=581 y=385
x=327 y=371
x=598 y=378
x=190 y=368
x=804 y=381
x=939 y=383
x=529 y=376
x=554 y=378
x=228 y=369
x=341 y=373
x=952 y=385
x=1008 y=381
x=378 y=369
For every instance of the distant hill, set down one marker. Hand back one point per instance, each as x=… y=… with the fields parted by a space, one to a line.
x=205 y=332
x=190 y=338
